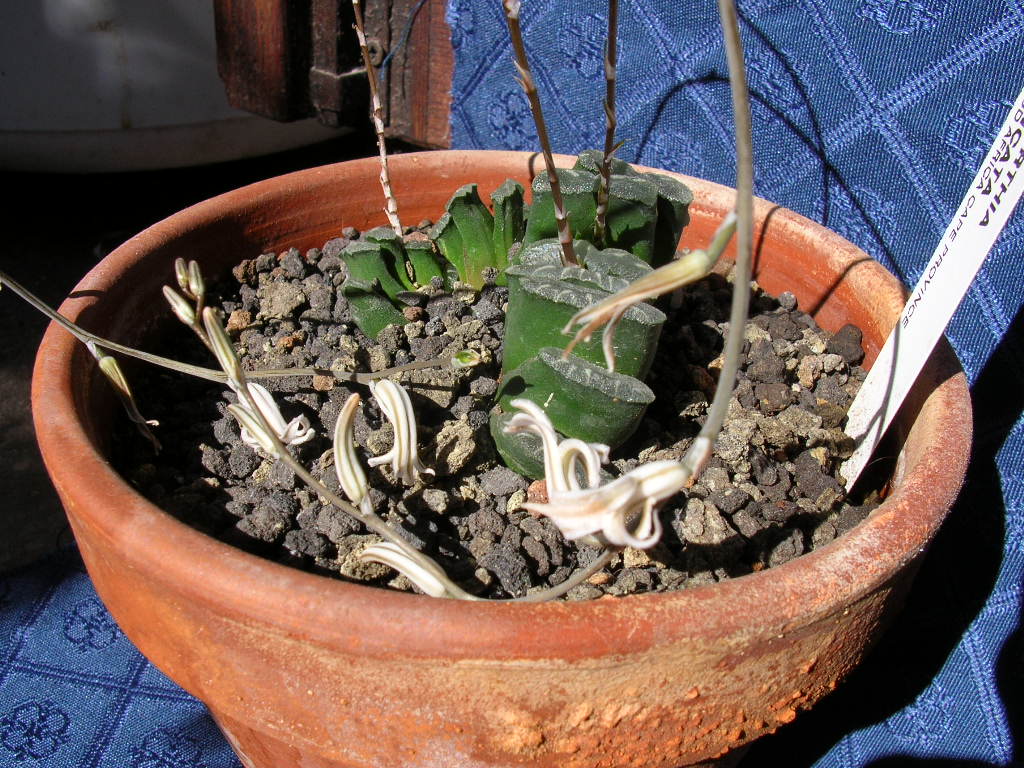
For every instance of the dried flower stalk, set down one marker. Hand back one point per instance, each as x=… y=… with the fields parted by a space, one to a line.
x=377 y=114
x=530 y=87
x=610 y=77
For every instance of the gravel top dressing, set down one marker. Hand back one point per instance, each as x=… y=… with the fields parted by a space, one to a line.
x=770 y=493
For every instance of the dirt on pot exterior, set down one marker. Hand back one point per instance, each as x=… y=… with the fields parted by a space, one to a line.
x=770 y=494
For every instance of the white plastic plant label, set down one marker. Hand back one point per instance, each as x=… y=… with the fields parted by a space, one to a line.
x=980 y=218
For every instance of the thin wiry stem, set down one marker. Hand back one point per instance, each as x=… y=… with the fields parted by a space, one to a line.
x=377 y=114
x=530 y=87
x=610 y=77
x=576 y=578
x=212 y=374
x=744 y=221
x=697 y=263
x=85 y=337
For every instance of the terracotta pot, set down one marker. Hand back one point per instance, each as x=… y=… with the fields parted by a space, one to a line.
x=306 y=671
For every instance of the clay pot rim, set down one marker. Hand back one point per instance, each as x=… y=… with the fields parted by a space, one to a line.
x=784 y=598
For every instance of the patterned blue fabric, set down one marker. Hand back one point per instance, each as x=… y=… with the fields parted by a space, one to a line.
x=870 y=116
x=75 y=693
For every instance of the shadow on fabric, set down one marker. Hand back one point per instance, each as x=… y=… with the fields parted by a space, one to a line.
x=812 y=138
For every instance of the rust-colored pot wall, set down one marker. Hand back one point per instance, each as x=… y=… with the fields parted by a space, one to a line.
x=302 y=670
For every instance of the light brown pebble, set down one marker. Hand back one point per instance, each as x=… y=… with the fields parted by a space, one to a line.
x=289 y=341
x=537 y=493
x=239 y=320
x=323 y=383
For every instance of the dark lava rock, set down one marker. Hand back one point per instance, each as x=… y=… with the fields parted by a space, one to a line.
x=747 y=524
x=538 y=553
x=487 y=311
x=243 y=460
x=293 y=264
x=487 y=520
x=766 y=472
x=779 y=511
x=335 y=524
x=773 y=397
x=847 y=343
x=267 y=522
x=729 y=500
x=764 y=365
x=812 y=479
x=332 y=249
x=830 y=390
x=850 y=517
x=215 y=461
x=304 y=542
x=510 y=568
x=484 y=386
x=632 y=580
x=502 y=481
x=783 y=327
x=790 y=547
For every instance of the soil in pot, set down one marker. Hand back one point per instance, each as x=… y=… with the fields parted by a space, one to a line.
x=771 y=492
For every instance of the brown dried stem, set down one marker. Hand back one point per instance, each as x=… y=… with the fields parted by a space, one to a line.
x=527 y=82
x=377 y=114
x=610 y=77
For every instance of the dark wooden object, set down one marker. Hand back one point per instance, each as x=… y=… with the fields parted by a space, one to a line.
x=263 y=54
x=293 y=59
x=419 y=89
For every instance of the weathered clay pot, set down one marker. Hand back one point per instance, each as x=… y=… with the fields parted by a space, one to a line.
x=301 y=670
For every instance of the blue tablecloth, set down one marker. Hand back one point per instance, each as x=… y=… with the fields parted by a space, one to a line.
x=870 y=116
x=74 y=691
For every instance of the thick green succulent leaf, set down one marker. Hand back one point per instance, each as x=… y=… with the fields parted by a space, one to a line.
x=472 y=250
x=546 y=251
x=632 y=215
x=674 y=200
x=368 y=262
x=613 y=262
x=509 y=219
x=445 y=236
x=607 y=262
x=569 y=276
x=543 y=260
x=581 y=398
x=424 y=262
x=371 y=310
x=579 y=193
x=542 y=299
x=392 y=247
